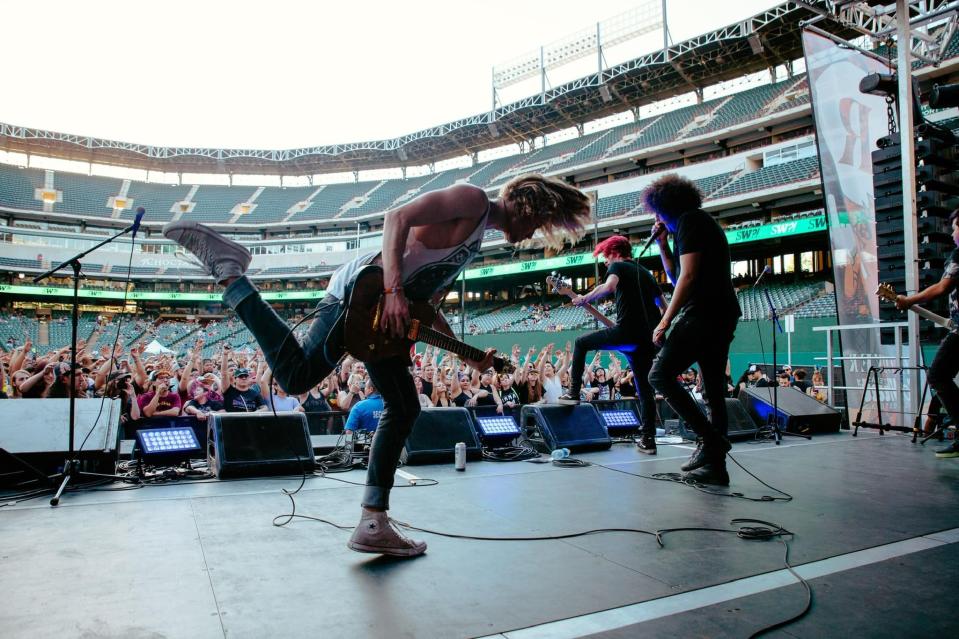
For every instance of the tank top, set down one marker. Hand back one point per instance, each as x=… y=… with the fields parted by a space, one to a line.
x=425 y=270
x=315 y=404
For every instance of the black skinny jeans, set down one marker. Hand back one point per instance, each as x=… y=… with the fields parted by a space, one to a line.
x=704 y=340
x=942 y=373
x=298 y=368
x=637 y=353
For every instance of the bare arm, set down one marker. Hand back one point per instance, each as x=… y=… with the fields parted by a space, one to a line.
x=599 y=292
x=445 y=205
x=665 y=253
x=940 y=288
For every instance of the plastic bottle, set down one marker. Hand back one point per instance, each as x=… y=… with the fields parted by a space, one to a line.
x=559 y=453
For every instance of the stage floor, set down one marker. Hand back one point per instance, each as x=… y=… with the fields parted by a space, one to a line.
x=875 y=519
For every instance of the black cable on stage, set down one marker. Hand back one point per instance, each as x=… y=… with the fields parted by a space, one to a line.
x=520 y=452
x=677 y=478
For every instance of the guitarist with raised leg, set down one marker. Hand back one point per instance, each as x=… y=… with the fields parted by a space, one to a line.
x=945 y=366
x=427 y=243
x=639 y=304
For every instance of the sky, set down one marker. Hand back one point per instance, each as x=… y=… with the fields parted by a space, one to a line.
x=287 y=74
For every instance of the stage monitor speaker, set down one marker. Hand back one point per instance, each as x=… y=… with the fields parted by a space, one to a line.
x=578 y=428
x=37 y=431
x=741 y=425
x=798 y=412
x=435 y=434
x=258 y=444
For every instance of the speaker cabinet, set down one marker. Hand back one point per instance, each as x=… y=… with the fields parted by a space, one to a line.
x=258 y=444
x=37 y=431
x=741 y=425
x=578 y=428
x=435 y=434
x=798 y=412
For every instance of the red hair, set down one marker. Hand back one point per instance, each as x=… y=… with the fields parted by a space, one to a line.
x=616 y=245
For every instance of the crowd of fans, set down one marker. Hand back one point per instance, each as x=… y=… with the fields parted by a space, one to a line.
x=165 y=384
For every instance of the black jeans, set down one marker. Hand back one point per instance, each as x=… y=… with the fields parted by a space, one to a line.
x=704 y=340
x=637 y=353
x=942 y=373
x=298 y=368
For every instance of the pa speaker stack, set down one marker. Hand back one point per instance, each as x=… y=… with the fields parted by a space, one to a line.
x=798 y=412
x=258 y=444
x=435 y=435
x=578 y=428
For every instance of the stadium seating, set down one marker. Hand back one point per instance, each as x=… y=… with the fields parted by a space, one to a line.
x=274 y=204
x=381 y=197
x=330 y=200
x=17 y=187
x=85 y=195
x=771 y=176
x=787 y=298
x=214 y=203
x=157 y=199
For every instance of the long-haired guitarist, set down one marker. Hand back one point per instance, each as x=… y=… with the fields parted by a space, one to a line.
x=703 y=312
x=639 y=304
x=427 y=243
x=945 y=366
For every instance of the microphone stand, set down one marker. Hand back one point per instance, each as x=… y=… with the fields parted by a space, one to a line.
x=778 y=432
x=71 y=467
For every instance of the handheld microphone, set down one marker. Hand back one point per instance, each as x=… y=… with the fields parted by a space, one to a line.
x=136 y=221
x=766 y=270
x=652 y=238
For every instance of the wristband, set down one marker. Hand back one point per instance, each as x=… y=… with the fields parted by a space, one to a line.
x=393 y=291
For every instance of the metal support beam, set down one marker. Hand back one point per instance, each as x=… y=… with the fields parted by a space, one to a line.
x=910 y=228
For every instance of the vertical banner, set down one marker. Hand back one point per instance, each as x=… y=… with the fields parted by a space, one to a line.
x=848 y=123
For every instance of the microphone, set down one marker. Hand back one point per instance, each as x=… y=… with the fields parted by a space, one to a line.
x=652 y=238
x=766 y=270
x=136 y=222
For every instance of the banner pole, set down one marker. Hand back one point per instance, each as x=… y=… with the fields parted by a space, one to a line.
x=908 y=146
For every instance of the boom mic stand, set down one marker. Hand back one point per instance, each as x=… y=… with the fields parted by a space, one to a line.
x=71 y=467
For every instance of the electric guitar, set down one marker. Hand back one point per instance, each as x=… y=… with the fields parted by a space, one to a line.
x=363 y=339
x=562 y=286
x=886 y=292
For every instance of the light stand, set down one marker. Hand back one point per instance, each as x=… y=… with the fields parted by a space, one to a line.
x=774 y=417
x=71 y=467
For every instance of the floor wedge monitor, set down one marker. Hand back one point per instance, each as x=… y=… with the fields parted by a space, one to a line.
x=435 y=435
x=578 y=428
x=798 y=412
x=259 y=444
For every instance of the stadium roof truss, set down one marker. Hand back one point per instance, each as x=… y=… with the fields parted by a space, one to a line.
x=762 y=41
x=933 y=22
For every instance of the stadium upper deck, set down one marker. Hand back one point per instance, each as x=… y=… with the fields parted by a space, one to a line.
x=725 y=53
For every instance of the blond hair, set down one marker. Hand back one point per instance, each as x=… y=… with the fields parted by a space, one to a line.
x=561 y=210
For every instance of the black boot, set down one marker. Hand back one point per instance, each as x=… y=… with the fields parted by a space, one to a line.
x=712 y=472
x=706 y=446
x=646 y=445
x=697 y=459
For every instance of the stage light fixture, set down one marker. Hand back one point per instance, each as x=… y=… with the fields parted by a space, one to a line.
x=620 y=420
x=944 y=96
x=882 y=84
x=498 y=427
x=167 y=445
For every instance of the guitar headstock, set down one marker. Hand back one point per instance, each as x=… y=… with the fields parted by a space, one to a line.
x=886 y=292
x=559 y=284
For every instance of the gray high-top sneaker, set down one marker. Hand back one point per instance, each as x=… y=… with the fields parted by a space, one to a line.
x=376 y=534
x=222 y=257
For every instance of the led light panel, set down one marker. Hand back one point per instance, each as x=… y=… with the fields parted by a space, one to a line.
x=620 y=418
x=498 y=426
x=167 y=440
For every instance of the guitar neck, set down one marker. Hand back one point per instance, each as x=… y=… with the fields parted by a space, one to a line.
x=944 y=322
x=589 y=308
x=435 y=338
